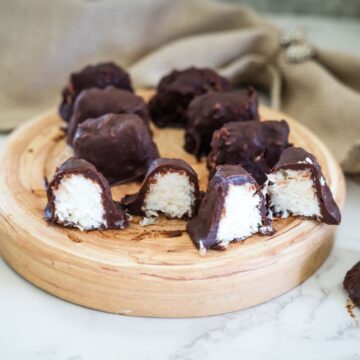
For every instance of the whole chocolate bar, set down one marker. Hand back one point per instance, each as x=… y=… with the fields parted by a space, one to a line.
x=255 y=145
x=297 y=186
x=233 y=208
x=95 y=102
x=170 y=187
x=79 y=196
x=98 y=76
x=209 y=112
x=119 y=146
x=176 y=90
x=352 y=283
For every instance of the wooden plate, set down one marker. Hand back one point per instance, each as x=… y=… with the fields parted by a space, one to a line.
x=149 y=271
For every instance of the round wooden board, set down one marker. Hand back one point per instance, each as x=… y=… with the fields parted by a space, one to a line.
x=149 y=271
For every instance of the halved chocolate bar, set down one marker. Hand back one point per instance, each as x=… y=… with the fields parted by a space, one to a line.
x=233 y=208
x=119 y=146
x=170 y=187
x=297 y=186
x=79 y=196
x=95 y=102
x=211 y=111
x=255 y=145
x=92 y=76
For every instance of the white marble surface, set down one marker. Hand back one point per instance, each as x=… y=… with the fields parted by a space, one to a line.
x=309 y=322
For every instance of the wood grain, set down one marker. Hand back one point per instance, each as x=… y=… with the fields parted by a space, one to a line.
x=151 y=271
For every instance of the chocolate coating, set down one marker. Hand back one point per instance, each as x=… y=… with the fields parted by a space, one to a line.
x=94 y=102
x=134 y=202
x=352 y=283
x=205 y=225
x=98 y=76
x=176 y=90
x=209 y=112
x=120 y=146
x=296 y=158
x=255 y=145
x=114 y=216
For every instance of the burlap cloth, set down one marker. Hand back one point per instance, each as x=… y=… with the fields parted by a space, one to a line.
x=42 y=41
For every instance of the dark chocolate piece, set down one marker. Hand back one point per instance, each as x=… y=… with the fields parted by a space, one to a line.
x=297 y=186
x=176 y=90
x=233 y=208
x=98 y=76
x=209 y=112
x=93 y=103
x=170 y=187
x=352 y=283
x=79 y=196
x=119 y=146
x=255 y=145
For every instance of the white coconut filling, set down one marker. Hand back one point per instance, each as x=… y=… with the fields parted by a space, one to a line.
x=293 y=192
x=170 y=193
x=241 y=215
x=78 y=203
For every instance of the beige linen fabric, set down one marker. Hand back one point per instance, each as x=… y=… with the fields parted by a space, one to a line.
x=42 y=41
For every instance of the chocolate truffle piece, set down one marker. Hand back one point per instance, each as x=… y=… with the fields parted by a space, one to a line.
x=119 y=146
x=233 y=208
x=176 y=90
x=352 y=284
x=255 y=145
x=170 y=187
x=79 y=196
x=93 y=76
x=209 y=112
x=93 y=103
x=297 y=186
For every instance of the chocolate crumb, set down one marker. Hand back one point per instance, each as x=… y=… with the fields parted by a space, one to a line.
x=58 y=137
x=74 y=238
x=172 y=233
x=156 y=233
x=350 y=306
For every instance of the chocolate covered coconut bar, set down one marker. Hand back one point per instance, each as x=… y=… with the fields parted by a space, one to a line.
x=297 y=186
x=95 y=102
x=92 y=76
x=119 y=146
x=211 y=111
x=170 y=187
x=255 y=145
x=176 y=90
x=79 y=196
x=233 y=208
x=352 y=283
